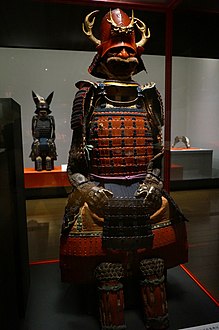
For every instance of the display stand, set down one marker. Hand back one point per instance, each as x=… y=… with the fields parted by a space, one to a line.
x=196 y=162
x=176 y=172
x=64 y=306
x=44 y=179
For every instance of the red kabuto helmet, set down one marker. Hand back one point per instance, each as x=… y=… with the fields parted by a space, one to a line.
x=116 y=30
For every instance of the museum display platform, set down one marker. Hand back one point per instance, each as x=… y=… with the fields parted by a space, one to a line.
x=39 y=179
x=186 y=164
x=58 y=177
x=195 y=163
x=55 y=305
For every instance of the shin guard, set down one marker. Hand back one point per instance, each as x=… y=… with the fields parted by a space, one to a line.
x=48 y=163
x=38 y=164
x=111 y=298
x=154 y=294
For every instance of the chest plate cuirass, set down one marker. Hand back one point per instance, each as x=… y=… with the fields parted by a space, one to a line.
x=121 y=139
x=43 y=129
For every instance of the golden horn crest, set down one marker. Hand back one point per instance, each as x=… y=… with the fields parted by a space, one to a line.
x=88 y=24
x=87 y=27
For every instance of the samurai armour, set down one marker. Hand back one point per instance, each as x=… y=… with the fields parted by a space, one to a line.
x=120 y=124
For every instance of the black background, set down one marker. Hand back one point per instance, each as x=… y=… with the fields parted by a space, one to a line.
x=57 y=25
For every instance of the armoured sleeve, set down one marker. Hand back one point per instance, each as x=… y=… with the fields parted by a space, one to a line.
x=155 y=113
x=52 y=121
x=78 y=162
x=33 y=127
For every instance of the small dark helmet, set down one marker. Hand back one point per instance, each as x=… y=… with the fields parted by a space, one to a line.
x=116 y=30
x=42 y=103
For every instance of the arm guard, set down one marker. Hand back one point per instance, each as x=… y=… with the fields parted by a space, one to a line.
x=155 y=114
x=78 y=161
x=52 y=133
x=33 y=126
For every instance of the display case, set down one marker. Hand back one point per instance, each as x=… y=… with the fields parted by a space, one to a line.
x=194 y=114
x=181 y=57
x=14 y=278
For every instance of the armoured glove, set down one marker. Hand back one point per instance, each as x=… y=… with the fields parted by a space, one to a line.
x=95 y=197
x=151 y=191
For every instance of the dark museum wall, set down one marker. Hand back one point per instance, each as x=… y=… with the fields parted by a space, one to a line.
x=57 y=25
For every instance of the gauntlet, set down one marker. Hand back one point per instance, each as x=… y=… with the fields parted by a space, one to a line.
x=151 y=191
x=95 y=197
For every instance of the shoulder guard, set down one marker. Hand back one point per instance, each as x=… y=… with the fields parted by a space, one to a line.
x=81 y=103
x=85 y=83
x=153 y=103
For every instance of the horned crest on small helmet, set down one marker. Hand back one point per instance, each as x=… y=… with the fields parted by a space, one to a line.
x=123 y=26
x=41 y=102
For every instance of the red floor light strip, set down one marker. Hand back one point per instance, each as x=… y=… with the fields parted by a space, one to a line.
x=200 y=285
x=42 y=262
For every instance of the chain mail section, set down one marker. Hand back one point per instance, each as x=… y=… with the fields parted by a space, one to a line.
x=109 y=271
x=154 y=294
x=153 y=266
x=111 y=287
x=114 y=327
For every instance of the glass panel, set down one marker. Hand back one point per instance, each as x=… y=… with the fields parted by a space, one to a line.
x=195 y=98
x=44 y=71
x=194 y=161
